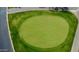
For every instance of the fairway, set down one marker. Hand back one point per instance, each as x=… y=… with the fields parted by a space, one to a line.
x=44 y=31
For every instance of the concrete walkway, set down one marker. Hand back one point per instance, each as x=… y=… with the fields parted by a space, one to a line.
x=15 y=10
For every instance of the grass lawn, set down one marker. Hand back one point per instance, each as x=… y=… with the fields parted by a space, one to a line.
x=42 y=30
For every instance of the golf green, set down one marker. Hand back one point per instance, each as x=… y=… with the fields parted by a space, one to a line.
x=44 y=31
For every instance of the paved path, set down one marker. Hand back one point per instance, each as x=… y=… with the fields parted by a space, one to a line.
x=14 y=10
x=75 y=46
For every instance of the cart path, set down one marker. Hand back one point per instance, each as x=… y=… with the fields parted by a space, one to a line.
x=15 y=10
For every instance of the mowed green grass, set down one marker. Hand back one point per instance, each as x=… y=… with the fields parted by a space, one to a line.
x=42 y=31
